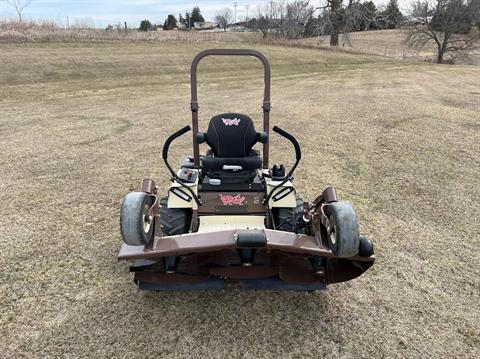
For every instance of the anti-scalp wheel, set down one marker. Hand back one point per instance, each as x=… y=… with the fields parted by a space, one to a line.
x=136 y=225
x=342 y=229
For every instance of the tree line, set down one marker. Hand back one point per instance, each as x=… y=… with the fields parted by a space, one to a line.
x=188 y=21
x=300 y=19
x=452 y=25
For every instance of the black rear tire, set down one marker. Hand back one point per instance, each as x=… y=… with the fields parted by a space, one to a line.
x=174 y=220
x=287 y=219
x=342 y=230
x=136 y=225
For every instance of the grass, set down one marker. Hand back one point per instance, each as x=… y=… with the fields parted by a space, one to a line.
x=81 y=124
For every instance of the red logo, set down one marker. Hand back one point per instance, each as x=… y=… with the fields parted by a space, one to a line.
x=229 y=200
x=231 y=122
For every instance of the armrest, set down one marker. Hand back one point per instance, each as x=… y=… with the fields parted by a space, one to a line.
x=262 y=137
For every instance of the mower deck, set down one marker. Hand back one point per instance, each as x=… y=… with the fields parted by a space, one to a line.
x=280 y=260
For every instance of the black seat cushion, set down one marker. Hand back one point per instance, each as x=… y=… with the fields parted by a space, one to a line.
x=216 y=163
x=231 y=135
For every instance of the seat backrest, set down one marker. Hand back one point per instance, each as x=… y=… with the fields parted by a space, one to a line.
x=231 y=135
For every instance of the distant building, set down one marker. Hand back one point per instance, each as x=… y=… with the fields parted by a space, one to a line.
x=238 y=27
x=203 y=25
x=412 y=20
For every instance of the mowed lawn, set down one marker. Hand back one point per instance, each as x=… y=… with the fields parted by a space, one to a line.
x=82 y=124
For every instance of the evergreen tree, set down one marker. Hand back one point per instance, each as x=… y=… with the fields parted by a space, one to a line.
x=392 y=15
x=170 y=23
x=196 y=16
x=456 y=15
x=370 y=15
x=362 y=16
x=187 y=20
x=145 y=25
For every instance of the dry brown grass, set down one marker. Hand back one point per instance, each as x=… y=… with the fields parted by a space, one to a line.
x=13 y=31
x=81 y=124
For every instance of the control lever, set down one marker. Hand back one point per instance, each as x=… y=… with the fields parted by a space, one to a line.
x=298 y=157
x=166 y=146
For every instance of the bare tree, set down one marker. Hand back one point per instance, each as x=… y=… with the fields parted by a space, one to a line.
x=263 y=21
x=335 y=19
x=447 y=23
x=284 y=20
x=224 y=18
x=297 y=15
x=339 y=18
x=18 y=5
x=296 y=19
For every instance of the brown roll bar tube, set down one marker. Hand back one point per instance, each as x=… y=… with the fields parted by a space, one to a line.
x=194 y=101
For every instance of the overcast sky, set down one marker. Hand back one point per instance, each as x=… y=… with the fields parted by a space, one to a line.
x=102 y=12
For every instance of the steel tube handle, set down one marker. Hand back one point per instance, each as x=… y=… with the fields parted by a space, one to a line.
x=172 y=137
x=293 y=140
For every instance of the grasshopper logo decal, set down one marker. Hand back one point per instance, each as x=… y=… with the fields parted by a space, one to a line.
x=229 y=200
x=231 y=122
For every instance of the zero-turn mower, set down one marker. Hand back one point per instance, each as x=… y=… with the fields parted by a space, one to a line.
x=229 y=218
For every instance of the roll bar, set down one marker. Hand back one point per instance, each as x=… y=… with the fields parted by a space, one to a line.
x=194 y=100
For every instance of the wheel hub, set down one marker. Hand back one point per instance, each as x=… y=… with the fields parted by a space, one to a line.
x=147 y=219
x=332 y=232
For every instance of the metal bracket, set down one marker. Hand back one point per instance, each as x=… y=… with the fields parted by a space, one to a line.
x=149 y=186
x=194 y=106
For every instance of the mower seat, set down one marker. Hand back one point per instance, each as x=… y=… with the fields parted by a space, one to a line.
x=231 y=136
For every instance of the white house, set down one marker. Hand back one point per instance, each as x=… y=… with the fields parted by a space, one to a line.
x=200 y=25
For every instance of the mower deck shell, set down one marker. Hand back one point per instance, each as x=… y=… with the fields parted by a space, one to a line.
x=283 y=254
